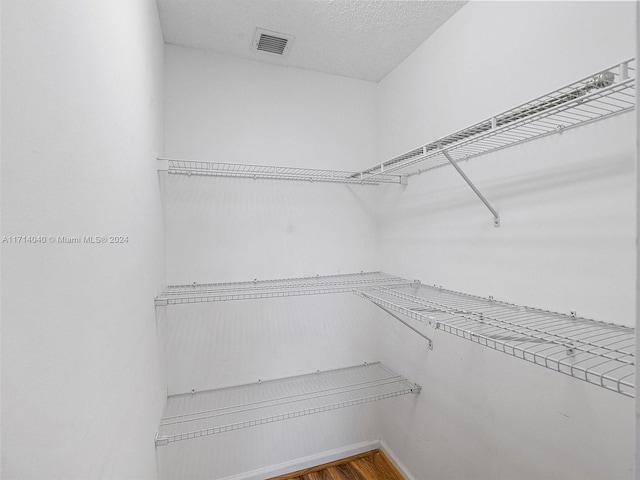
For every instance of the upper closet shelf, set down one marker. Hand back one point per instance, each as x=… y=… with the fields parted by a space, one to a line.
x=601 y=95
x=598 y=353
x=217 y=169
x=200 y=414
x=216 y=292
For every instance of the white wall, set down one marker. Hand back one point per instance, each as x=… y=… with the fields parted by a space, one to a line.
x=277 y=448
x=482 y=414
x=220 y=108
x=221 y=344
x=226 y=229
x=566 y=202
x=82 y=388
x=215 y=345
x=566 y=242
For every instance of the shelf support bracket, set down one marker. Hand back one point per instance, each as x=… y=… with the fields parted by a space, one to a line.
x=624 y=70
x=161 y=440
x=160 y=302
x=406 y=325
x=496 y=216
x=163 y=165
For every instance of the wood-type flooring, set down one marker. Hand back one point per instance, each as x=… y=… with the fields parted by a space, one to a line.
x=372 y=465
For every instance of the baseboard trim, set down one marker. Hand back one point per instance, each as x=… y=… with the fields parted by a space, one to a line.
x=313 y=460
x=396 y=461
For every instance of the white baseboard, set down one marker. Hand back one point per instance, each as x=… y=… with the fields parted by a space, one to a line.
x=396 y=461
x=311 y=461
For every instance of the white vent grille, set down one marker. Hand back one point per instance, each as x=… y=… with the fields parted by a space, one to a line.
x=271 y=42
x=268 y=43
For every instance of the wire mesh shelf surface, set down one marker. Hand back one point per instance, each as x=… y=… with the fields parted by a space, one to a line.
x=598 y=96
x=215 y=292
x=604 y=94
x=219 y=169
x=216 y=411
x=596 y=352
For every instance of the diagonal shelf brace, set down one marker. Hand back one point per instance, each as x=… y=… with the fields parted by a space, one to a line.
x=406 y=324
x=496 y=216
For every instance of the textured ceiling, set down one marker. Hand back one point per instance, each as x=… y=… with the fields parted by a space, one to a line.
x=354 y=38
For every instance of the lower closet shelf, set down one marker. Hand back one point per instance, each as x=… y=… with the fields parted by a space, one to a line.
x=599 y=353
x=288 y=287
x=210 y=412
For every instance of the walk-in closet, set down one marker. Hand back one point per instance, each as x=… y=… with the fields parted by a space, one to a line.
x=304 y=239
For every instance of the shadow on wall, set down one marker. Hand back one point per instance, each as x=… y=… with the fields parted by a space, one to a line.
x=447 y=200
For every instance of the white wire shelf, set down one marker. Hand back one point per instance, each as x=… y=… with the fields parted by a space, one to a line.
x=216 y=292
x=596 y=352
x=604 y=94
x=216 y=411
x=601 y=95
x=219 y=169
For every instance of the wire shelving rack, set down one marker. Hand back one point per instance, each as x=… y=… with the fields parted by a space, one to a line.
x=601 y=95
x=216 y=292
x=220 y=169
x=604 y=94
x=599 y=353
x=211 y=412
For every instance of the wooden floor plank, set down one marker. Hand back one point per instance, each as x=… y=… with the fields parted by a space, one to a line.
x=300 y=473
x=372 y=465
x=385 y=468
x=363 y=468
x=347 y=472
x=319 y=475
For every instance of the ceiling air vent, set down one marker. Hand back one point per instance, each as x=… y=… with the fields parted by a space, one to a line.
x=271 y=42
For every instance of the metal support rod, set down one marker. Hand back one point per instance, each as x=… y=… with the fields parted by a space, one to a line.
x=407 y=325
x=496 y=216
